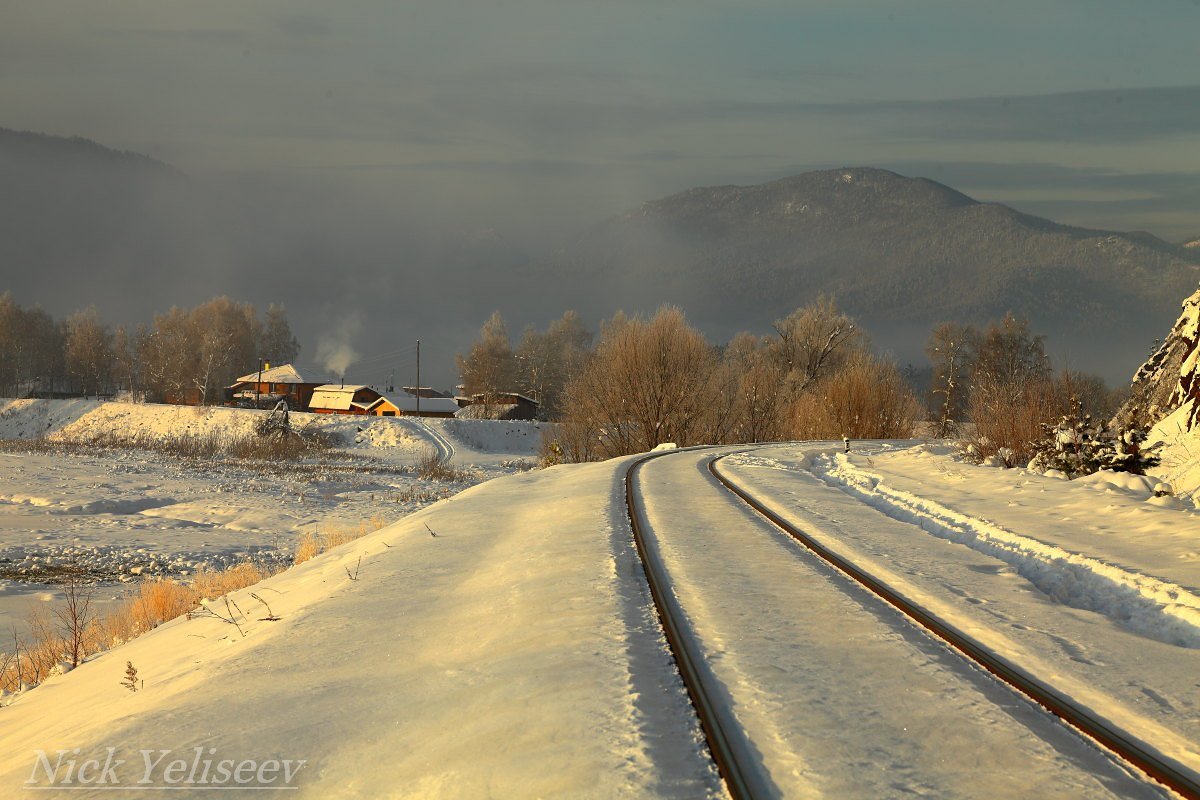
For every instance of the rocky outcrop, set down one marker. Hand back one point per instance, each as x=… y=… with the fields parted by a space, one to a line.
x=1170 y=378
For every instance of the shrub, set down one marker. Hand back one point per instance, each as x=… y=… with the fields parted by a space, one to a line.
x=156 y=601
x=432 y=467
x=864 y=399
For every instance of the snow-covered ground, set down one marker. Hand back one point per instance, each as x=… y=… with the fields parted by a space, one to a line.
x=501 y=642
x=1179 y=449
x=395 y=439
x=505 y=657
x=123 y=514
x=1089 y=581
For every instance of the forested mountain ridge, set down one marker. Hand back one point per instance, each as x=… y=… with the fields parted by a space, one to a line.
x=900 y=253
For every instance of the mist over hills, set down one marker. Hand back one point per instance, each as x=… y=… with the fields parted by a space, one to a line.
x=82 y=224
x=899 y=253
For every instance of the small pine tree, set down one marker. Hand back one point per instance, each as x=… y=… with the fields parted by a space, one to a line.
x=130 y=680
x=1126 y=453
x=1078 y=446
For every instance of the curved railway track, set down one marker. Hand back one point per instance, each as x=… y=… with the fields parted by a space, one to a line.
x=730 y=746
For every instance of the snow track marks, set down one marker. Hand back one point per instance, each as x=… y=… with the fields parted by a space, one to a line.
x=1146 y=605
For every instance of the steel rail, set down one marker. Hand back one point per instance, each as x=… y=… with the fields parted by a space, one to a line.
x=1128 y=748
x=726 y=741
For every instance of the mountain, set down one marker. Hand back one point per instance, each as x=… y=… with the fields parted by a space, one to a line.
x=77 y=217
x=81 y=223
x=899 y=253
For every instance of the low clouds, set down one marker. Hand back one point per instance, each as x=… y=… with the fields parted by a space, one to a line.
x=1124 y=116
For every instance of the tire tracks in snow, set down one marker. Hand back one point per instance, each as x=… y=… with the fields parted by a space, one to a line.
x=444 y=446
x=1146 y=605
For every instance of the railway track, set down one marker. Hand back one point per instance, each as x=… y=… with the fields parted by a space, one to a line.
x=731 y=747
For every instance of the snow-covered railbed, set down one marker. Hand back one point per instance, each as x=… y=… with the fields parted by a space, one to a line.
x=509 y=655
x=838 y=693
x=1083 y=584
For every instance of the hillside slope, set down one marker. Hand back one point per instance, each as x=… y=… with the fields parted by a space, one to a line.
x=899 y=253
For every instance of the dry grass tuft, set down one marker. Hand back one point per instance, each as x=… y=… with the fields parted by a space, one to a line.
x=33 y=659
x=314 y=543
x=432 y=467
x=191 y=446
x=156 y=601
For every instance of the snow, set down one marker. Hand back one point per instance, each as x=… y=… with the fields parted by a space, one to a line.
x=500 y=641
x=495 y=659
x=1091 y=585
x=284 y=373
x=1179 y=449
x=333 y=396
x=840 y=696
x=429 y=405
x=127 y=514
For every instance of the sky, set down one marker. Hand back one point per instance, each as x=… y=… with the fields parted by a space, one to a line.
x=1086 y=110
x=536 y=118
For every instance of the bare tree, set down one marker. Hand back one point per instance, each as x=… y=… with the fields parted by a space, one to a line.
x=760 y=400
x=75 y=616
x=11 y=345
x=951 y=350
x=1012 y=391
x=814 y=341
x=278 y=343
x=88 y=351
x=866 y=398
x=166 y=354
x=491 y=366
x=647 y=384
x=547 y=362
x=127 y=348
x=223 y=337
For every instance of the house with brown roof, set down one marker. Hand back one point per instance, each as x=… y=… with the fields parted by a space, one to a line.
x=272 y=385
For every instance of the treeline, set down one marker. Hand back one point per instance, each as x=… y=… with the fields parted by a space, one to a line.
x=650 y=381
x=997 y=389
x=195 y=351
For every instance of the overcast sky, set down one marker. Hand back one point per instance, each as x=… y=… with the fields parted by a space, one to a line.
x=372 y=132
x=509 y=113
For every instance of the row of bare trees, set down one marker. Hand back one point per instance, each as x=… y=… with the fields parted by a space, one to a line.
x=649 y=381
x=201 y=349
x=658 y=380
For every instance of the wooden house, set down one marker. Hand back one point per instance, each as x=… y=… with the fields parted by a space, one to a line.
x=333 y=398
x=501 y=405
x=272 y=385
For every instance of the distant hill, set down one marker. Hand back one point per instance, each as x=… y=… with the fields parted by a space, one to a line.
x=81 y=223
x=74 y=214
x=899 y=253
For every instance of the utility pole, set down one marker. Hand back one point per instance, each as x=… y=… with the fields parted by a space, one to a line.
x=418 y=377
x=258 y=386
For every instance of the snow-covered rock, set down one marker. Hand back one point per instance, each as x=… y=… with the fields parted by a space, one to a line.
x=1168 y=380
